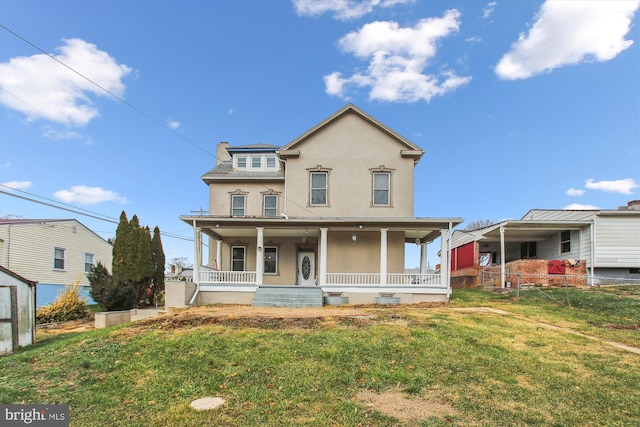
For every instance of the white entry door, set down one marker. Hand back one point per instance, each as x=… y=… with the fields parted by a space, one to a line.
x=306 y=268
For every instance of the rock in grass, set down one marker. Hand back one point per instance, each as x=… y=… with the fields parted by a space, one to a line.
x=207 y=403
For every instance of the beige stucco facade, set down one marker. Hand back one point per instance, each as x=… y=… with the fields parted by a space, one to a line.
x=332 y=208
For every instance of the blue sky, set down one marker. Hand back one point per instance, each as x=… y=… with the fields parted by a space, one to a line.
x=518 y=104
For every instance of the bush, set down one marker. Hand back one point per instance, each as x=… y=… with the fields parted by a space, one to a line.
x=68 y=306
x=111 y=293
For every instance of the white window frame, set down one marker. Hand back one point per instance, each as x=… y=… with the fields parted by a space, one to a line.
x=243 y=260
x=88 y=265
x=240 y=162
x=273 y=250
x=325 y=188
x=57 y=258
x=256 y=164
x=271 y=159
x=387 y=190
x=244 y=204
x=264 y=205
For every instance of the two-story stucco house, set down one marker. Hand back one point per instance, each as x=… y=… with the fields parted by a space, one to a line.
x=53 y=252
x=331 y=210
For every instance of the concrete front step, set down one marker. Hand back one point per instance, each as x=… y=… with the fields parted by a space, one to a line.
x=287 y=296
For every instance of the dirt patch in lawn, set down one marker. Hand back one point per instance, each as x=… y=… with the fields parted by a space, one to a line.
x=407 y=409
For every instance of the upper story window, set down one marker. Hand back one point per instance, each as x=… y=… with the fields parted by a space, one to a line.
x=381 y=188
x=238 y=204
x=319 y=184
x=565 y=242
x=59 y=258
x=88 y=262
x=241 y=162
x=256 y=162
x=270 y=205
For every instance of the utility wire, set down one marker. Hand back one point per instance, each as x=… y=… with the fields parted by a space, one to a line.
x=133 y=107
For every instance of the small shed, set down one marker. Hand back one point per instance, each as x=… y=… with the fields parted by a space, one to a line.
x=17 y=311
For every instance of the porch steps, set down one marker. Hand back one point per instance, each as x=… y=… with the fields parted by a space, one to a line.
x=287 y=296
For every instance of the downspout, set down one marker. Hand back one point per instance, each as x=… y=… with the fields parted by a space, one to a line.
x=449 y=291
x=284 y=202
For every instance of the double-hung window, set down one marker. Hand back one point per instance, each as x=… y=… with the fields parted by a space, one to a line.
x=59 y=258
x=318 y=188
x=238 y=204
x=88 y=262
x=565 y=242
x=270 y=205
x=270 y=259
x=238 y=258
x=381 y=188
x=241 y=162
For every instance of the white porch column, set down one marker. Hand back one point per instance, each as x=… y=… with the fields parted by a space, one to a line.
x=260 y=256
x=383 y=256
x=322 y=280
x=503 y=276
x=197 y=251
x=423 y=257
x=444 y=259
x=219 y=254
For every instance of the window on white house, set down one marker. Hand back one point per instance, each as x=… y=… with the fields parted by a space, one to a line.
x=88 y=262
x=381 y=188
x=256 y=162
x=270 y=259
x=270 y=202
x=271 y=162
x=241 y=162
x=238 y=258
x=565 y=242
x=238 y=204
x=59 y=258
x=318 y=188
x=528 y=250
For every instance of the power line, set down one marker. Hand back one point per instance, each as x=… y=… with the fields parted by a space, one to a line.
x=133 y=107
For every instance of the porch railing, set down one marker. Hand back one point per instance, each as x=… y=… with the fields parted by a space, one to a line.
x=333 y=279
x=228 y=277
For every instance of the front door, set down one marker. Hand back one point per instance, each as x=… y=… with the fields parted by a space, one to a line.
x=306 y=268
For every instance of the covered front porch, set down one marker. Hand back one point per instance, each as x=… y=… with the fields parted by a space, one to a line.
x=358 y=259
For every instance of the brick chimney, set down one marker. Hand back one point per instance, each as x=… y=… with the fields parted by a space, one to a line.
x=221 y=152
x=634 y=205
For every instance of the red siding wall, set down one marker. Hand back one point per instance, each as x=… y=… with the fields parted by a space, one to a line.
x=463 y=256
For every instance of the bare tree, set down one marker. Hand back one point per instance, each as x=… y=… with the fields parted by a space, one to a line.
x=478 y=224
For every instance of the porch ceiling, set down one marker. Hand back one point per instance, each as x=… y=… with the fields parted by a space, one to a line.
x=530 y=231
x=423 y=229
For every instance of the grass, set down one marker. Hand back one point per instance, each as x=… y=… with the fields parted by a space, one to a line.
x=471 y=368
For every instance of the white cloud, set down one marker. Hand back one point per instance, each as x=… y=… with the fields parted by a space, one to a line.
x=58 y=135
x=84 y=195
x=575 y=192
x=172 y=124
x=488 y=10
x=579 y=207
x=17 y=185
x=569 y=32
x=40 y=87
x=343 y=9
x=622 y=186
x=397 y=59
x=473 y=39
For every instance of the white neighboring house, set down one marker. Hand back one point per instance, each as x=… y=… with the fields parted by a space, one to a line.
x=53 y=252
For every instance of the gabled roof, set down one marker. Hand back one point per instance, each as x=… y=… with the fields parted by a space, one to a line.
x=411 y=149
x=43 y=221
x=17 y=276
